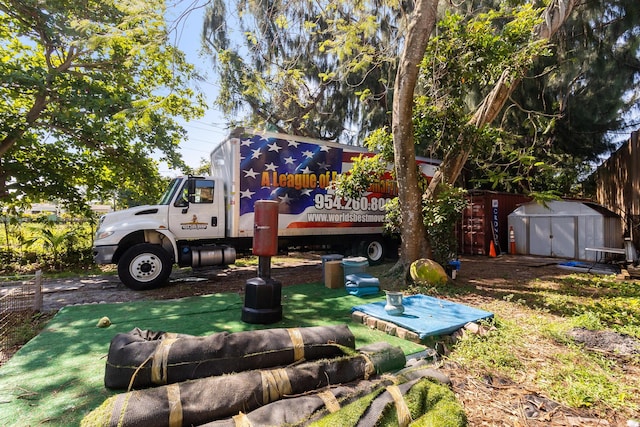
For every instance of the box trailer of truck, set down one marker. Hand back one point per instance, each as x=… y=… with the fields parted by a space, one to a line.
x=204 y=221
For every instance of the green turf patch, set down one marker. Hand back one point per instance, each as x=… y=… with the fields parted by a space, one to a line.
x=57 y=378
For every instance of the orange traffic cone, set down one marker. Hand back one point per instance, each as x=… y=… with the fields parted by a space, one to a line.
x=492 y=250
x=512 y=241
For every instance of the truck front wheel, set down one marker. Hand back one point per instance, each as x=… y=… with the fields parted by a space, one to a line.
x=144 y=266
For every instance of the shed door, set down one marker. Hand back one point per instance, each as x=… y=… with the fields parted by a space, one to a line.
x=563 y=242
x=540 y=236
x=552 y=236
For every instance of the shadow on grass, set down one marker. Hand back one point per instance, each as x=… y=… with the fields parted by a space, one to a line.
x=615 y=302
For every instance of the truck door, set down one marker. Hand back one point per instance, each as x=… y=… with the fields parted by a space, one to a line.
x=198 y=211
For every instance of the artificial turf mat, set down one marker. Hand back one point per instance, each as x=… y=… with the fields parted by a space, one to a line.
x=58 y=377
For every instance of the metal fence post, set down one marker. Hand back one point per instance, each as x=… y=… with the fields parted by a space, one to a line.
x=37 y=297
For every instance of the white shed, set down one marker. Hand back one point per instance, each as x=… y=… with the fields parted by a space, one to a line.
x=564 y=229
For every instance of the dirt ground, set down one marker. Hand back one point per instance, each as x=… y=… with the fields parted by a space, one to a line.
x=496 y=273
x=298 y=269
x=488 y=401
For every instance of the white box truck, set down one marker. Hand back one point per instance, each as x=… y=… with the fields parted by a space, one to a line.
x=204 y=221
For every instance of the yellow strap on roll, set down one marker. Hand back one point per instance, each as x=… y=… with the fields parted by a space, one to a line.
x=241 y=420
x=369 y=367
x=275 y=384
x=298 y=343
x=161 y=360
x=175 y=405
x=330 y=401
x=404 y=415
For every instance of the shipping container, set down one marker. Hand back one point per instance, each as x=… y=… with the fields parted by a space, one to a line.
x=486 y=219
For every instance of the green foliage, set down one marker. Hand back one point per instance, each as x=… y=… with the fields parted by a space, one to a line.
x=318 y=68
x=52 y=239
x=576 y=378
x=25 y=328
x=490 y=353
x=380 y=141
x=89 y=92
x=45 y=243
x=202 y=169
x=588 y=320
x=462 y=63
x=365 y=172
x=572 y=376
x=586 y=384
x=441 y=213
x=469 y=53
x=535 y=317
x=617 y=305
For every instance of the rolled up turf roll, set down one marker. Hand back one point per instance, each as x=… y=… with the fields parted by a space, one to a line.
x=279 y=413
x=313 y=407
x=204 y=400
x=143 y=358
x=418 y=402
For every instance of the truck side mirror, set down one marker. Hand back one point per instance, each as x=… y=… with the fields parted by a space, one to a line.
x=191 y=187
x=187 y=196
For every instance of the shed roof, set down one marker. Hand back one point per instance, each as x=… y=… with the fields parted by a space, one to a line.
x=555 y=208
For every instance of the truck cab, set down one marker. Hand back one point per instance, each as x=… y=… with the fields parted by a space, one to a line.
x=146 y=241
x=197 y=209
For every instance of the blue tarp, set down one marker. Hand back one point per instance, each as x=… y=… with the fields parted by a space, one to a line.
x=590 y=267
x=426 y=316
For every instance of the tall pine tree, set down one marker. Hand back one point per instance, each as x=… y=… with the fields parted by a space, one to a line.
x=322 y=69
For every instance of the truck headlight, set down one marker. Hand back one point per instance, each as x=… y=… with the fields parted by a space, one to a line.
x=103 y=234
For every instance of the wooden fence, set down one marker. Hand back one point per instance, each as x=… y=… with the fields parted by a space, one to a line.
x=618 y=185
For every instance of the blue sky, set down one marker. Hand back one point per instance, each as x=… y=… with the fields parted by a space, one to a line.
x=205 y=133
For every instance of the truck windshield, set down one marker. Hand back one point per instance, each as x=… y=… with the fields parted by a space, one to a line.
x=170 y=191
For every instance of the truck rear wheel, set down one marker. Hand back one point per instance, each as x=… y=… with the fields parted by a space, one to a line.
x=144 y=266
x=374 y=250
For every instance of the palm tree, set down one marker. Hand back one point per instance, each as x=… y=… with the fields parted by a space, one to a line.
x=53 y=239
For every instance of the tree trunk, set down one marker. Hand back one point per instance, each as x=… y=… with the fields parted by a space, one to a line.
x=554 y=17
x=414 y=239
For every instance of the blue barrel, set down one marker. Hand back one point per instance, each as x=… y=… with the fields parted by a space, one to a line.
x=354 y=265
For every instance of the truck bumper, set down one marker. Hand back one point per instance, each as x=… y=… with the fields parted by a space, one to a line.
x=104 y=254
